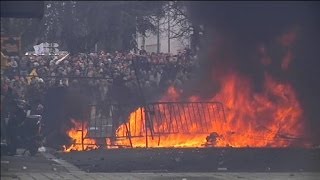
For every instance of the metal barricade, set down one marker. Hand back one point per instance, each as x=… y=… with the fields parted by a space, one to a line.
x=113 y=121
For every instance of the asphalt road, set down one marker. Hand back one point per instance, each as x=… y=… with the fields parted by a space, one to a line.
x=196 y=160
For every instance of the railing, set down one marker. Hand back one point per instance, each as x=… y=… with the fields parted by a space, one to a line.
x=156 y=119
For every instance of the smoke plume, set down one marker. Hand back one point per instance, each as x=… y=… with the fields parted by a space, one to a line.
x=62 y=105
x=281 y=38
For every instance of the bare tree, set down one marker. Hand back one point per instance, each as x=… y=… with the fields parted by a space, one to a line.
x=177 y=20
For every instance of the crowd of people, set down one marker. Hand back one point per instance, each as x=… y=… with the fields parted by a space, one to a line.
x=101 y=76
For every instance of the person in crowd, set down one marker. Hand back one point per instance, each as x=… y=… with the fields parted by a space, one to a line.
x=101 y=77
x=142 y=52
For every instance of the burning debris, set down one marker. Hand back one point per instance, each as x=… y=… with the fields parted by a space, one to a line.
x=245 y=119
x=251 y=119
x=77 y=134
x=212 y=139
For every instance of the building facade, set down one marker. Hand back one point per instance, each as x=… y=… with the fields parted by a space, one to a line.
x=166 y=44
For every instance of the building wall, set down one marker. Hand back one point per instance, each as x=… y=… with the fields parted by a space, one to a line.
x=151 y=42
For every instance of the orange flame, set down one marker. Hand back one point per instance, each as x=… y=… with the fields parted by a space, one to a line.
x=259 y=119
x=271 y=118
x=76 y=135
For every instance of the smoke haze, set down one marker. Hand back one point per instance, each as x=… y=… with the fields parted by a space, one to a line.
x=238 y=35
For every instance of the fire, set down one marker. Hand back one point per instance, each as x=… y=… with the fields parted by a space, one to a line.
x=271 y=118
x=177 y=140
x=76 y=135
x=259 y=119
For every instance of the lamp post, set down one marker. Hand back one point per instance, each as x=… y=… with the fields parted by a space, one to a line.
x=158 y=36
x=169 y=31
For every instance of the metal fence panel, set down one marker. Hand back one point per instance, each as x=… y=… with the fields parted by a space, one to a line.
x=159 y=119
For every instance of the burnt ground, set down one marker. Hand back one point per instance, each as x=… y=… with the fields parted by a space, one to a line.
x=196 y=160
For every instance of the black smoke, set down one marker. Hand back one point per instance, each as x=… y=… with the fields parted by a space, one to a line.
x=234 y=30
x=61 y=105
